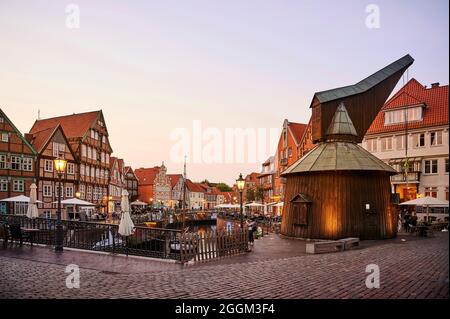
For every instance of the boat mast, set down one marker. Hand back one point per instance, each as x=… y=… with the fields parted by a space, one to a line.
x=184 y=195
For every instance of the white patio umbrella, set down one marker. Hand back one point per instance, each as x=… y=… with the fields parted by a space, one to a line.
x=32 y=210
x=75 y=201
x=280 y=204
x=254 y=204
x=20 y=198
x=126 y=225
x=138 y=203
x=427 y=201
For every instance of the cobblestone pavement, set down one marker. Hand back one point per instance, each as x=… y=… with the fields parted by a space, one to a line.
x=415 y=268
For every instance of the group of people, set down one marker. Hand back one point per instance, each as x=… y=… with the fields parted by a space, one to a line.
x=407 y=221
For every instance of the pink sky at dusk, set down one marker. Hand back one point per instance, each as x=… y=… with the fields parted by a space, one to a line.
x=155 y=66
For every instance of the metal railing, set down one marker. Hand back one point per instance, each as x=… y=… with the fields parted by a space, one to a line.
x=149 y=242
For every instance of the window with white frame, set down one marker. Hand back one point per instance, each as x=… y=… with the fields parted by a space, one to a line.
x=20 y=208
x=5 y=137
x=16 y=162
x=89 y=152
x=401 y=142
x=2 y=120
x=47 y=214
x=94 y=154
x=83 y=150
x=89 y=191
x=102 y=157
x=4 y=185
x=107 y=158
x=371 y=145
x=96 y=135
x=82 y=169
x=82 y=191
x=419 y=140
x=27 y=164
x=18 y=185
x=48 y=165
x=3 y=162
x=431 y=191
x=92 y=133
x=59 y=191
x=69 y=191
x=47 y=190
x=386 y=143
x=436 y=138
x=399 y=116
x=92 y=171
x=431 y=166
x=88 y=170
x=58 y=149
x=70 y=168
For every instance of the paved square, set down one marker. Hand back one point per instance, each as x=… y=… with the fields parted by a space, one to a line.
x=414 y=268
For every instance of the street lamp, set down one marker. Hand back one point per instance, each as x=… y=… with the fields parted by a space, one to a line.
x=240 y=182
x=77 y=194
x=60 y=167
x=107 y=204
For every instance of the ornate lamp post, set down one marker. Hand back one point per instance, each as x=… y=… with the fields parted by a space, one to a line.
x=60 y=167
x=240 y=182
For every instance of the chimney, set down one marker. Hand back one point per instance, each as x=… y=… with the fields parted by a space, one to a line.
x=435 y=85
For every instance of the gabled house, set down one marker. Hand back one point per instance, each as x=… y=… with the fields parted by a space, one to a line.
x=17 y=165
x=52 y=143
x=88 y=138
x=131 y=182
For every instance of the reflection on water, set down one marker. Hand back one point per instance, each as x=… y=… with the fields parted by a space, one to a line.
x=202 y=229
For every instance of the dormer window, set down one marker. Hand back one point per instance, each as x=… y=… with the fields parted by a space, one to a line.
x=399 y=116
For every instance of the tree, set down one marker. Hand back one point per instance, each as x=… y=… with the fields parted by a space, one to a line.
x=250 y=195
x=259 y=193
x=223 y=187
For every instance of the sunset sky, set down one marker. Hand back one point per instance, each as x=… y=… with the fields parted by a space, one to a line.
x=155 y=66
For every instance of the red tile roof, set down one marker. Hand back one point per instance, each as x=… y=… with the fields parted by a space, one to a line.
x=112 y=160
x=121 y=163
x=146 y=176
x=194 y=187
x=39 y=139
x=297 y=129
x=174 y=178
x=414 y=93
x=74 y=125
x=252 y=177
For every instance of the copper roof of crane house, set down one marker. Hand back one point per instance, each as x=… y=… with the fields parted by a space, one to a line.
x=367 y=83
x=341 y=124
x=336 y=155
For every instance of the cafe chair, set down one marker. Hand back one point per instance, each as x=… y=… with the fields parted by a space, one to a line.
x=17 y=234
x=4 y=234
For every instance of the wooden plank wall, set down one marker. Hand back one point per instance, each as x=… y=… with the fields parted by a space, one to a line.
x=338 y=205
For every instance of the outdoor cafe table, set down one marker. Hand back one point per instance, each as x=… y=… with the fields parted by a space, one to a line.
x=422 y=230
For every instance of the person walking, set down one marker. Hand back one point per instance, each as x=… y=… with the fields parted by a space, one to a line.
x=251 y=226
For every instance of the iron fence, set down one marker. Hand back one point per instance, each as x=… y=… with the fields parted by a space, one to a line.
x=149 y=242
